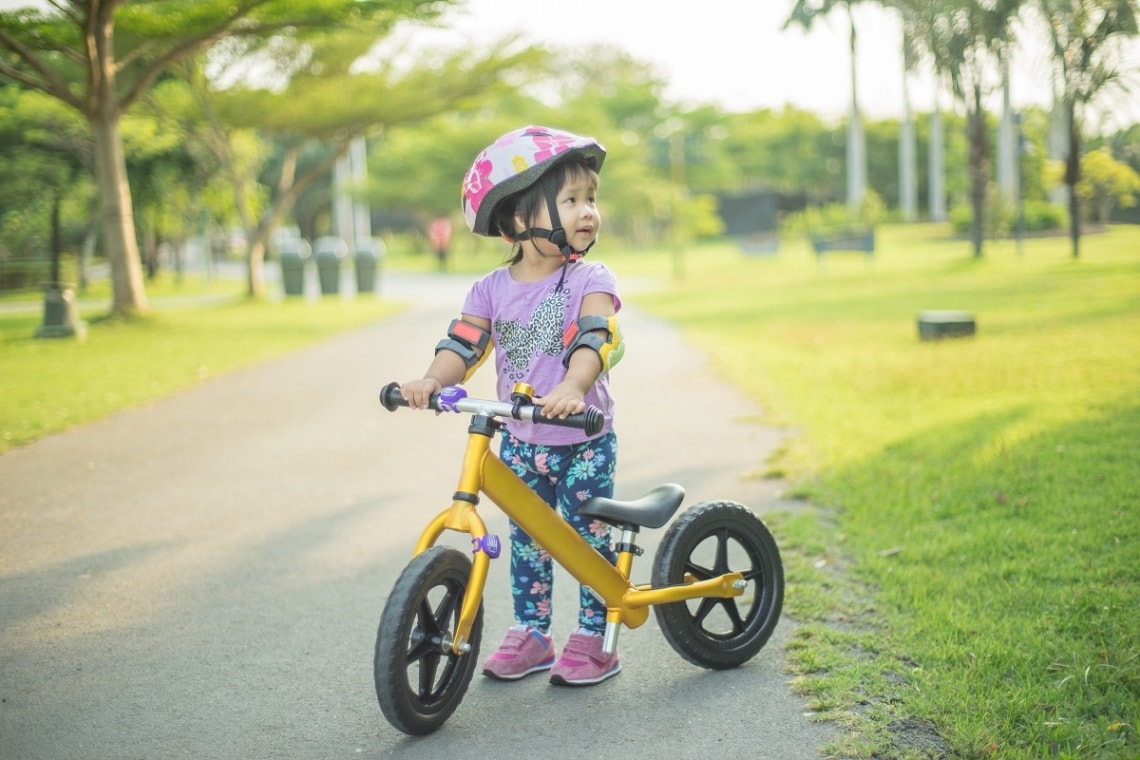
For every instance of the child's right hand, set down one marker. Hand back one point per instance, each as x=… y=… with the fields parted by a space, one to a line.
x=418 y=392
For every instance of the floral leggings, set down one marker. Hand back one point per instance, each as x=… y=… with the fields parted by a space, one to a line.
x=564 y=477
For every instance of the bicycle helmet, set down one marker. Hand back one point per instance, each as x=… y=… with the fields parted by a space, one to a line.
x=513 y=163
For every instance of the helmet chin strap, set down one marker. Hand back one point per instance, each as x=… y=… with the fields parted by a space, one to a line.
x=557 y=236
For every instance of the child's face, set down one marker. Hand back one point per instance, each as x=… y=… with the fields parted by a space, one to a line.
x=577 y=210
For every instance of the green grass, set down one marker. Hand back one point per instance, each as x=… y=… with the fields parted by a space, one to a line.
x=974 y=568
x=50 y=385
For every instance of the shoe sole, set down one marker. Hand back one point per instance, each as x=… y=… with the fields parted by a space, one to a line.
x=558 y=680
x=516 y=676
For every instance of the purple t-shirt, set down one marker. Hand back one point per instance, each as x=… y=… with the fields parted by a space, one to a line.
x=528 y=320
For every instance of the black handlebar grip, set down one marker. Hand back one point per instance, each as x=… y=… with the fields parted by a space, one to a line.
x=390 y=397
x=591 y=421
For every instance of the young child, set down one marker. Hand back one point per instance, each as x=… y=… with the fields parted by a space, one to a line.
x=551 y=318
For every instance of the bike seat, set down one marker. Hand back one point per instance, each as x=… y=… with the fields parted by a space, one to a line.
x=650 y=511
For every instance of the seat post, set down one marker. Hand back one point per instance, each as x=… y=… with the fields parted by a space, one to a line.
x=627 y=549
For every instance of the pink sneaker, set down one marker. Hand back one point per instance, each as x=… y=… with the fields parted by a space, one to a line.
x=583 y=663
x=524 y=650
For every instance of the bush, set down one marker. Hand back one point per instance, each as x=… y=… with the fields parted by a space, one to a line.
x=1001 y=218
x=1042 y=216
x=834 y=218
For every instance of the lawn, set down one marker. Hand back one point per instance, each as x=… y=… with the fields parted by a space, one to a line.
x=970 y=581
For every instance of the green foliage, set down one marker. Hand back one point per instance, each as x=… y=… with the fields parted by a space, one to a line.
x=1040 y=216
x=973 y=565
x=45 y=156
x=1002 y=218
x=835 y=219
x=1106 y=182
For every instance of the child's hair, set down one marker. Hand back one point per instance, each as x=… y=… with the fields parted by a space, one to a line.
x=528 y=203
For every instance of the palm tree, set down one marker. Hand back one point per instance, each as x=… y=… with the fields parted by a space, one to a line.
x=804 y=14
x=966 y=40
x=1083 y=33
x=908 y=187
x=912 y=27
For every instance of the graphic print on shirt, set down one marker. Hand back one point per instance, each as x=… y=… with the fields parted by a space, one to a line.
x=543 y=335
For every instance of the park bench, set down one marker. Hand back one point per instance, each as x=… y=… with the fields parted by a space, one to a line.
x=844 y=241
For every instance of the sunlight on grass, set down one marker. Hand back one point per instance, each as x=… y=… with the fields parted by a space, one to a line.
x=984 y=487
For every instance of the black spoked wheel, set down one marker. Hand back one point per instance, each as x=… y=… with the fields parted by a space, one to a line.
x=708 y=540
x=419 y=679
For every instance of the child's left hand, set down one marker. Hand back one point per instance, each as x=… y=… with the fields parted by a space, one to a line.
x=564 y=399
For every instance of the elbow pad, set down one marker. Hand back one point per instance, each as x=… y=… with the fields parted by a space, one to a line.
x=582 y=334
x=469 y=342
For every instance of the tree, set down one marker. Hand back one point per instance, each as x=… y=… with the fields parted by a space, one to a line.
x=1106 y=182
x=99 y=58
x=966 y=40
x=917 y=18
x=804 y=14
x=331 y=99
x=1082 y=34
x=45 y=151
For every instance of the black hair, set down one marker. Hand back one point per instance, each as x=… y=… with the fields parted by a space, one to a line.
x=529 y=203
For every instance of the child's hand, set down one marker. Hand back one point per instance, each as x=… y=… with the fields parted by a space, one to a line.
x=418 y=392
x=565 y=399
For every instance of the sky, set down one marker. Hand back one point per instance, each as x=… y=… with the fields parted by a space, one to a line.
x=736 y=54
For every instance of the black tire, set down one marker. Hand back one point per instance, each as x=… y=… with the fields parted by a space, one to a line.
x=419 y=680
x=707 y=540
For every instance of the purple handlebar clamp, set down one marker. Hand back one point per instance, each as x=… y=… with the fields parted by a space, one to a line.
x=488 y=544
x=449 y=396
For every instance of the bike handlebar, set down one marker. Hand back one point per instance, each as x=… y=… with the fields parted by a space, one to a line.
x=454 y=399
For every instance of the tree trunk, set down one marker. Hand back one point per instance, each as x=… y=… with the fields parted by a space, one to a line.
x=937 y=167
x=979 y=165
x=289 y=189
x=856 y=147
x=1072 y=177
x=908 y=186
x=255 y=265
x=56 y=242
x=128 y=295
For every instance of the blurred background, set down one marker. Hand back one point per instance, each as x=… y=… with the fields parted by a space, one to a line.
x=191 y=137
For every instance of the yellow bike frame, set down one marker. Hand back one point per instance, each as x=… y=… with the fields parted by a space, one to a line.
x=626 y=604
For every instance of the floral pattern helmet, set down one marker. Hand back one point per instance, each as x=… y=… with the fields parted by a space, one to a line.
x=513 y=163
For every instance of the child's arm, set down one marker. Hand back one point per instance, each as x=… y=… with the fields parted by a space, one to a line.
x=447 y=368
x=583 y=368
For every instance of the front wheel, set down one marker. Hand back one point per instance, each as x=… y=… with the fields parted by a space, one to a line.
x=710 y=539
x=419 y=679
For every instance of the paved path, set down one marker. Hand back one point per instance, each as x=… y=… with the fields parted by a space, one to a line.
x=201 y=578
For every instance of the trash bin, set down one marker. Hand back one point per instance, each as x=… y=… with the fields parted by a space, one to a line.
x=329 y=252
x=294 y=253
x=369 y=254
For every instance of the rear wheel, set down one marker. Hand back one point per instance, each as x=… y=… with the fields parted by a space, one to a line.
x=419 y=679
x=708 y=540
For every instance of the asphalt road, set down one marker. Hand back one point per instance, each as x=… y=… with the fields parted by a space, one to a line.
x=202 y=578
